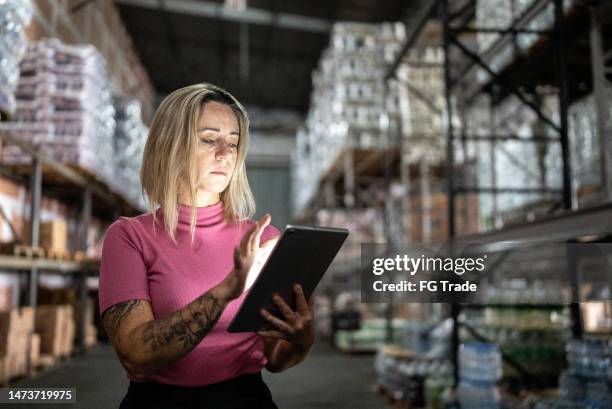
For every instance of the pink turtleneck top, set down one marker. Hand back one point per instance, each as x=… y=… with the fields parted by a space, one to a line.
x=138 y=263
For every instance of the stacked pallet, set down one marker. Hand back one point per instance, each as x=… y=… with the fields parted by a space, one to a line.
x=428 y=223
x=57 y=329
x=66 y=297
x=91 y=332
x=64 y=106
x=18 y=343
x=52 y=240
x=14 y=16
x=349 y=106
x=422 y=103
x=6 y=297
x=129 y=141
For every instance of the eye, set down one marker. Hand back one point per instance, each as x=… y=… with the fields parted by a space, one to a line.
x=207 y=141
x=233 y=145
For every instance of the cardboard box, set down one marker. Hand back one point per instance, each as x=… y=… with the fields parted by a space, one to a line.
x=34 y=350
x=69 y=331
x=16 y=325
x=53 y=235
x=49 y=324
x=3 y=374
x=6 y=298
x=56 y=296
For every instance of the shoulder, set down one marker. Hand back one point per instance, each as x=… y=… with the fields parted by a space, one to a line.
x=123 y=225
x=128 y=228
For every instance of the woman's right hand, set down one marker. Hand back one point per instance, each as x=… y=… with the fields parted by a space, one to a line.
x=244 y=256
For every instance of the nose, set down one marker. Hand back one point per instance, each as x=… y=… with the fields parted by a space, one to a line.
x=222 y=150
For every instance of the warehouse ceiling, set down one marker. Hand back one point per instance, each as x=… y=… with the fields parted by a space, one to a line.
x=181 y=42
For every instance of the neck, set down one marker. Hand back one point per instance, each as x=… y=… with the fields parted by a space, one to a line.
x=203 y=199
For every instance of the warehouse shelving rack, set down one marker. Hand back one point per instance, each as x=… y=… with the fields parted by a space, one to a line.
x=69 y=184
x=588 y=18
x=355 y=178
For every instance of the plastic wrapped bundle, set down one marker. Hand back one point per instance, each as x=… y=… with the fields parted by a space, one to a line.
x=129 y=141
x=421 y=105
x=64 y=90
x=349 y=104
x=14 y=16
x=480 y=368
x=501 y=14
x=586 y=152
x=366 y=226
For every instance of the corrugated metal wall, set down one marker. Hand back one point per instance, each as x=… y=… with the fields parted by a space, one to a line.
x=270 y=185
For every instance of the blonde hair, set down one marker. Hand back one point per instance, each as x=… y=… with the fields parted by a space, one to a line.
x=170 y=157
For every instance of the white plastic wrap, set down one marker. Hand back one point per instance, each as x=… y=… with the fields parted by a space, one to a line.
x=64 y=106
x=14 y=16
x=348 y=101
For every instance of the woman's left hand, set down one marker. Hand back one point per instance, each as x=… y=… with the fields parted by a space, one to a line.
x=298 y=327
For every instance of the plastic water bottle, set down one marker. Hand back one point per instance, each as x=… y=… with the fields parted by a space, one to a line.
x=478 y=395
x=589 y=358
x=480 y=362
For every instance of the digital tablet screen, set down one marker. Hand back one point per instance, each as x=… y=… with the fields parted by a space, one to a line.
x=302 y=255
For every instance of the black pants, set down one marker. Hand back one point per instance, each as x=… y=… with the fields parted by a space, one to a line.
x=245 y=391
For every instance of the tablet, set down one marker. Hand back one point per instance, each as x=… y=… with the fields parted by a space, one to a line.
x=301 y=256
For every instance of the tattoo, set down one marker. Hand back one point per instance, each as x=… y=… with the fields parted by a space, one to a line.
x=114 y=315
x=204 y=313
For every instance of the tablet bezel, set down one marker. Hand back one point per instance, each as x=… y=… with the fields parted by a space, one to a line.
x=237 y=325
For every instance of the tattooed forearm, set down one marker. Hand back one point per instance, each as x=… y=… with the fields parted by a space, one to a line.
x=187 y=326
x=145 y=345
x=115 y=315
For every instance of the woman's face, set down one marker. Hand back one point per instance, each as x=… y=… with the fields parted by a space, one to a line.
x=218 y=137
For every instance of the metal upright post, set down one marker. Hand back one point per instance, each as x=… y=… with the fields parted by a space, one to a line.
x=576 y=315
x=577 y=327
x=389 y=213
x=82 y=276
x=450 y=157
x=349 y=177
x=35 y=203
x=36 y=193
x=450 y=182
x=563 y=103
x=426 y=206
x=495 y=210
x=600 y=93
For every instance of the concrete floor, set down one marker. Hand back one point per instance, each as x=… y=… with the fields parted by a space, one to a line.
x=327 y=379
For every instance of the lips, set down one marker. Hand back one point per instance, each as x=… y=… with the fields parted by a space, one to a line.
x=219 y=172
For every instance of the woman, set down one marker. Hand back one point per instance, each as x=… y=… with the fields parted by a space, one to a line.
x=172 y=279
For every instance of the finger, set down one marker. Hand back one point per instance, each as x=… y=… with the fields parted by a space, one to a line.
x=268 y=243
x=311 y=301
x=278 y=323
x=263 y=223
x=272 y=334
x=300 y=299
x=255 y=232
x=287 y=312
x=246 y=238
x=237 y=258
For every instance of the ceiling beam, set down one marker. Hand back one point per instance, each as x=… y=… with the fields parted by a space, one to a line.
x=249 y=15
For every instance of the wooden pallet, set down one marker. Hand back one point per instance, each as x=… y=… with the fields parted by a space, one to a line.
x=390 y=398
x=45 y=361
x=55 y=254
x=79 y=256
x=28 y=251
